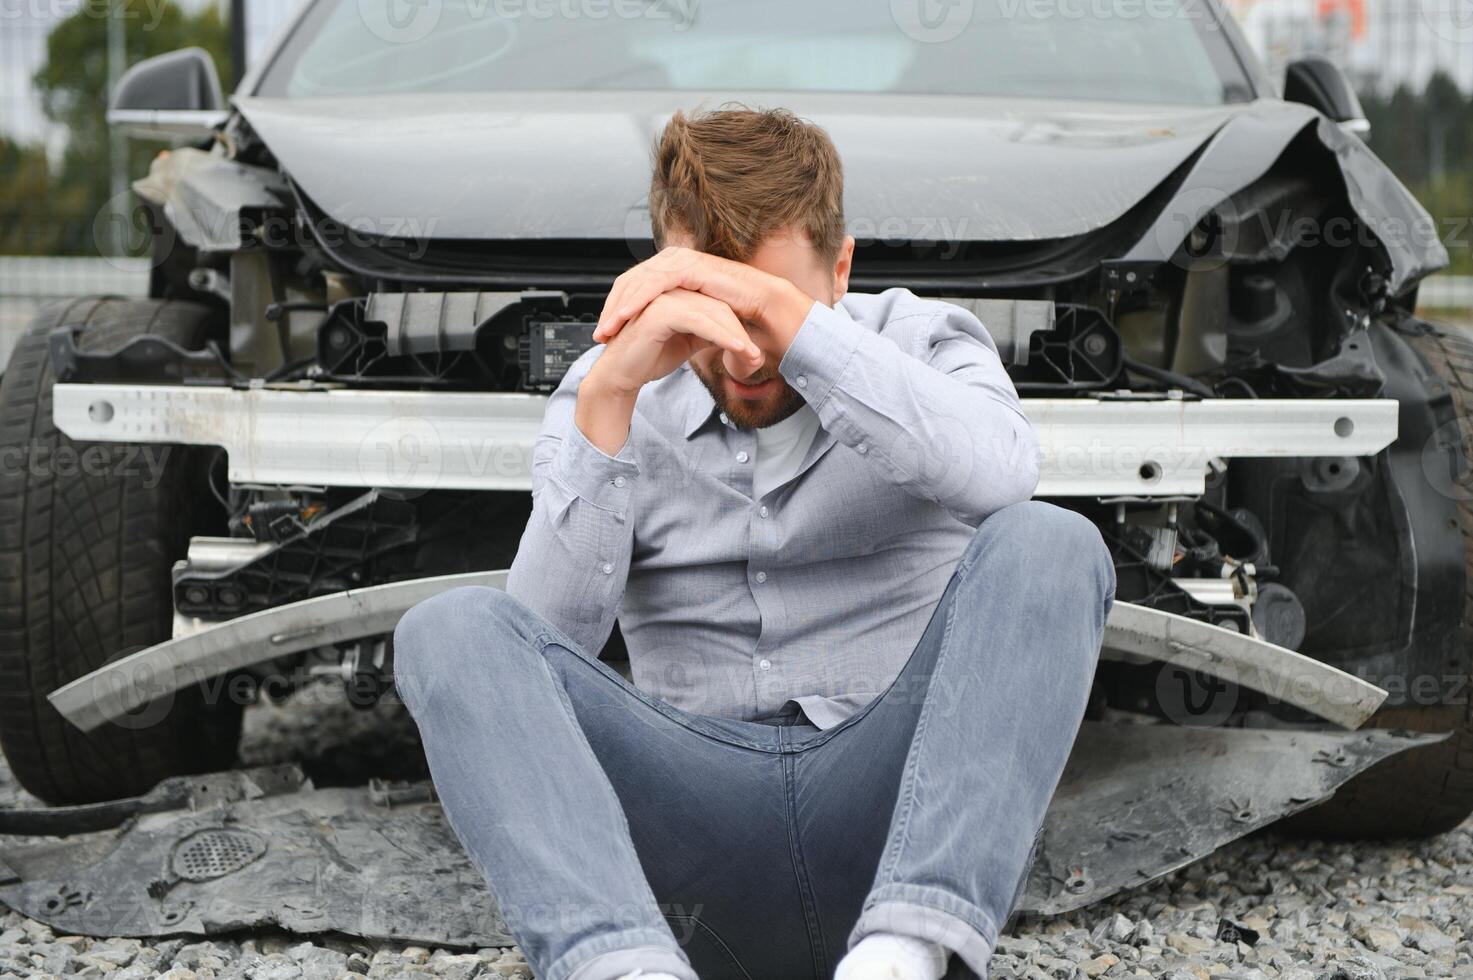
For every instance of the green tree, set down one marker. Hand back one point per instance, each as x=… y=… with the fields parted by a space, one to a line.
x=73 y=86
x=1426 y=137
x=29 y=203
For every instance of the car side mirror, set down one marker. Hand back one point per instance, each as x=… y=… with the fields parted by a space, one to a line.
x=172 y=95
x=1316 y=81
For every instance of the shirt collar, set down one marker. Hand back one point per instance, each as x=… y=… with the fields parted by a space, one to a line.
x=699 y=405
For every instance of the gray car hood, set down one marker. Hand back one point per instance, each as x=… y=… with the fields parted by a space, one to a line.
x=576 y=165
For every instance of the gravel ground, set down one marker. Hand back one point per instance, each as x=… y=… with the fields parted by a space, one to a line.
x=1301 y=910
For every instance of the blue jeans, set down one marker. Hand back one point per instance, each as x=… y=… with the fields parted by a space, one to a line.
x=617 y=831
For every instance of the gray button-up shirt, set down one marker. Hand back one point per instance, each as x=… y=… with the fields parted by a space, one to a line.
x=817 y=593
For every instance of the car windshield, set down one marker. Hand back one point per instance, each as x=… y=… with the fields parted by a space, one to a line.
x=1119 y=50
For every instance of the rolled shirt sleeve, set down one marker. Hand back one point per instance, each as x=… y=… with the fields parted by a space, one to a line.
x=573 y=561
x=928 y=402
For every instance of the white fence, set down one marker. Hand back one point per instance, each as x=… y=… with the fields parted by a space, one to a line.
x=27 y=284
x=1448 y=293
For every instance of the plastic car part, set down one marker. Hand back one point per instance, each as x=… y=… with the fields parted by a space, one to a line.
x=492 y=340
x=1011 y=323
x=213 y=203
x=201 y=656
x=381 y=861
x=1143 y=582
x=197 y=658
x=327 y=554
x=174 y=793
x=145 y=358
x=1082 y=352
x=549 y=347
x=1138 y=801
x=440 y=336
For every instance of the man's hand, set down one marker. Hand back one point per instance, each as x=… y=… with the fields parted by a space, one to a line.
x=770 y=302
x=668 y=329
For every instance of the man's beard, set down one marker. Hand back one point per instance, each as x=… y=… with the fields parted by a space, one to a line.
x=745 y=413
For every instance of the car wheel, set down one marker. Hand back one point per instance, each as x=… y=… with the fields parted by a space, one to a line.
x=88 y=535
x=1429 y=790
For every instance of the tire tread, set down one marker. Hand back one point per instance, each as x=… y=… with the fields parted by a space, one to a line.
x=84 y=573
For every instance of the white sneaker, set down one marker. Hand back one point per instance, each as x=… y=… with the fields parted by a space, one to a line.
x=883 y=956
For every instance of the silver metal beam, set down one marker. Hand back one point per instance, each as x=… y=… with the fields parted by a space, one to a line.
x=112 y=692
x=483 y=441
x=1162 y=447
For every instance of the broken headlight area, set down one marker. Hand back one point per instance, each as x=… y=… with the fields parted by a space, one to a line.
x=482 y=340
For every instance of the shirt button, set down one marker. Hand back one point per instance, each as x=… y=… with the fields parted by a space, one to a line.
x=861 y=449
x=742 y=456
x=724 y=419
x=762 y=576
x=608 y=568
x=802 y=381
x=618 y=481
x=765 y=664
x=763 y=510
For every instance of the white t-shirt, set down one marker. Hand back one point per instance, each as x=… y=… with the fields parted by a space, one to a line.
x=781 y=448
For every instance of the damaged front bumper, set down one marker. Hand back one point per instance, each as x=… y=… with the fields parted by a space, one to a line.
x=1133 y=632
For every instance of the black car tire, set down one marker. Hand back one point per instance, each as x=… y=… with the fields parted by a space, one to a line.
x=1429 y=790
x=88 y=535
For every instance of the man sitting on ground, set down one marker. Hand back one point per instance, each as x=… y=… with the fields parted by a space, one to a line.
x=860 y=654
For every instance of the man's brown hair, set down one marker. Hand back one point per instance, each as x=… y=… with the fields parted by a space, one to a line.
x=732 y=176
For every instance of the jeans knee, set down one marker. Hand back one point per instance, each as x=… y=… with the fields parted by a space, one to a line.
x=1057 y=548
x=439 y=638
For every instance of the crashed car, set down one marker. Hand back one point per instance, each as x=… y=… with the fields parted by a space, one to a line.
x=373 y=263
